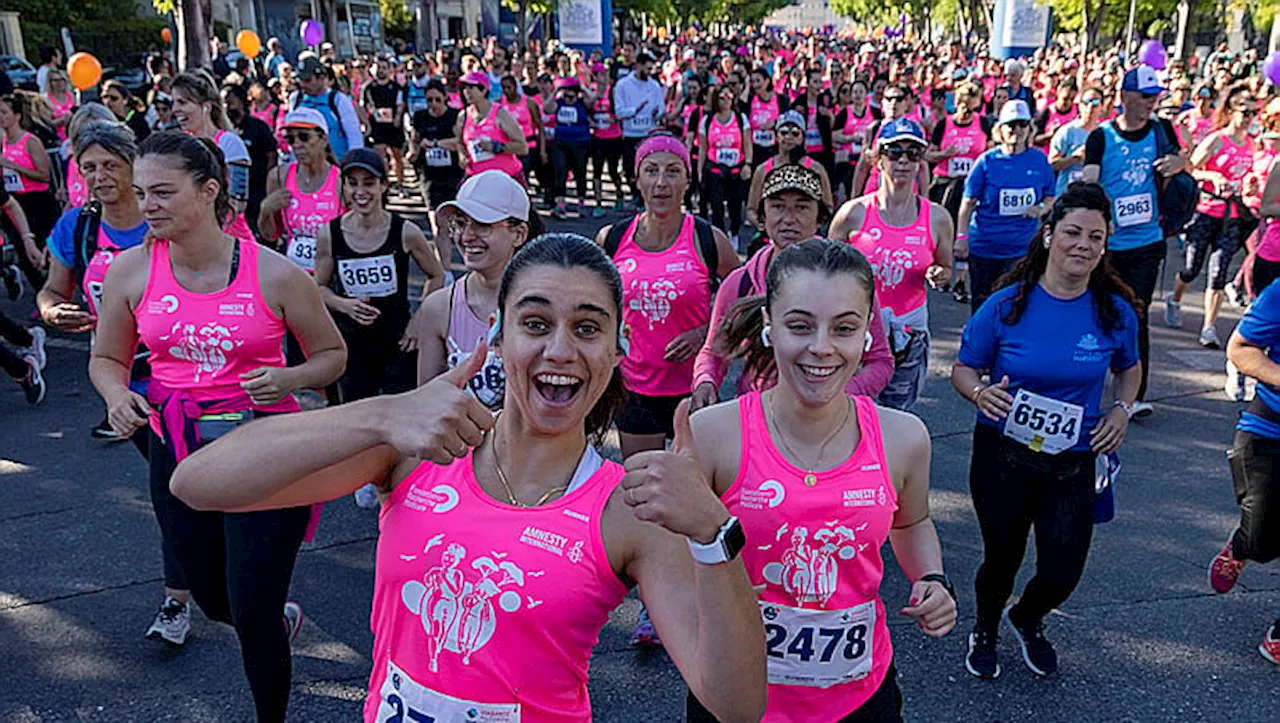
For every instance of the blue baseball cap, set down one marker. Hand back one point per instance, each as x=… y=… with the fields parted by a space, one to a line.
x=1142 y=79
x=900 y=129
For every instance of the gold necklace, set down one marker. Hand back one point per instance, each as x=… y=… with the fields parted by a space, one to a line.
x=810 y=477
x=502 y=477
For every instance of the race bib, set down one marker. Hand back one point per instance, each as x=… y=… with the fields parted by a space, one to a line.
x=1134 y=210
x=478 y=154
x=369 y=277
x=438 y=157
x=1043 y=424
x=812 y=138
x=818 y=648
x=567 y=116
x=95 y=296
x=416 y=105
x=1074 y=175
x=403 y=700
x=383 y=115
x=1015 y=201
x=728 y=156
x=959 y=166
x=12 y=181
x=762 y=138
x=602 y=120
x=642 y=120
x=302 y=251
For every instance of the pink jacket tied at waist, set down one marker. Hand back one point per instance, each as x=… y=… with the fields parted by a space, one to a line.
x=871 y=378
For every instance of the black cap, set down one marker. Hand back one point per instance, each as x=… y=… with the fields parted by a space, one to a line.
x=644 y=57
x=365 y=158
x=311 y=66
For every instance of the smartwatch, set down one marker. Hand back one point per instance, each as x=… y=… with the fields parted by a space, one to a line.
x=728 y=543
x=941 y=579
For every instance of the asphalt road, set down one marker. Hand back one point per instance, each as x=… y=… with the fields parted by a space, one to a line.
x=1142 y=639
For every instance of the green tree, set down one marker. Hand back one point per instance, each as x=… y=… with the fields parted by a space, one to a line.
x=396 y=20
x=107 y=28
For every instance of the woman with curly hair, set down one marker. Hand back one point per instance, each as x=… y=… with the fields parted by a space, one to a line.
x=1060 y=321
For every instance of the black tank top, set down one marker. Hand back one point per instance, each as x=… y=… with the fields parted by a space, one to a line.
x=379 y=277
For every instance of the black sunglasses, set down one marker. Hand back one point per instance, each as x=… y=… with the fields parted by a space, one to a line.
x=912 y=153
x=888 y=98
x=299 y=137
x=1019 y=125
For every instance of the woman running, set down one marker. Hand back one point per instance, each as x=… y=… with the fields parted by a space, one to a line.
x=849 y=132
x=907 y=239
x=213 y=311
x=303 y=196
x=77 y=192
x=789 y=132
x=1067 y=148
x=25 y=362
x=436 y=159
x=1220 y=163
x=956 y=143
x=724 y=159
x=531 y=538
x=128 y=108
x=362 y=269
x=198 y=107
x=820 y=481
x=1196 y=123
x=525 y=110
x=27 y=173
x=491 y=138
x=606 y=142
x=1048 y=340
x=62 y=101
x=764 y=107
x=1008 y=190
x=570 y=147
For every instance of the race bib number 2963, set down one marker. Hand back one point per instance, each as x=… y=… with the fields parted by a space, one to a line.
x=818 y=648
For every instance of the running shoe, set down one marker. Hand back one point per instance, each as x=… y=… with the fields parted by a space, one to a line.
x=1142 y=410
x=1037 y=652
x=1209 y=338
x=597 y=212
x=172 y=623
x=1236 y=296
x=619 y=206
x=32 y=384
x=12 y=281
x=36 y=350
x=1224 y=570
x=982 y=661
x=367 y=497
x=561 y=212
x=103 y=430
x=1270 y=645
x=645 y=636
x=1172 y=312
x=959 y=293
x=293 y=619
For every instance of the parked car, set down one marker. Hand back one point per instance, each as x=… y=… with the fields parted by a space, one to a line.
x=22 y=73
x=132 y=73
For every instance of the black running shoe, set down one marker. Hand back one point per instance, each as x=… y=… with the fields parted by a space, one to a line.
x=12 y=281
x=104 y=431
x=982 y=661
x=959 y=293
x=33 y=384
x=1037 y=652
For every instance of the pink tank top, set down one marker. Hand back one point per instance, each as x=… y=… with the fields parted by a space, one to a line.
x=487 y=612
x=724 y=141
x=465 y=331
x=60 y=110
x=519 y=109
x=604 y=124
x=307 y=214
x=266 y=115
x=971 y=142
x=202 y=343
x=772 y=161
x=852 y=125
x=763 y=116
x=899 y=257
x=77 y=190
x=664 y=294
x=482 y=160
x=812 y=134
x=1193 y=128
x=1256 y=179
x=817 y=550
x=1233 y=161
x=95 y=269
x=17 y=152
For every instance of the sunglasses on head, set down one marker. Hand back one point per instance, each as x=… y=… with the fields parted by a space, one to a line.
x=297 y=137
x=911 y=153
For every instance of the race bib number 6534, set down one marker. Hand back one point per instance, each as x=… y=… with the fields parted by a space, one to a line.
x=818 y=648
x=1042 y=423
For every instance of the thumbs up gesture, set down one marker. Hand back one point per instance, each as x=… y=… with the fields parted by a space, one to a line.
x=668 y=488
x=440 y=421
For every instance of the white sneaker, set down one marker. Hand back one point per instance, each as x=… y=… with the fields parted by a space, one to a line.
x=293 y=619
x=1234 y=387
x=367 y=497
x=172 y=623
x=1142 y=410
x=1209 y=338
x=36 y=350
x=1172 y=312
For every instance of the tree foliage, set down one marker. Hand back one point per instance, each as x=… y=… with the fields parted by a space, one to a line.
x=397 y=22
x=108 y=28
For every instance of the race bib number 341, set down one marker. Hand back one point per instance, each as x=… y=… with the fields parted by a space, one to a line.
x=818 y=648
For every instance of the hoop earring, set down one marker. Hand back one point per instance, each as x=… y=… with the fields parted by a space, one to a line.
x=866 y=344
x=765 y=335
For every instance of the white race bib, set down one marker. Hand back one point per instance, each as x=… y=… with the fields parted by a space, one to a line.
x=567 y=116
x=1015 y=201
x=478 y=154
x=95 y=295
x=369 y=277
x=383 y=115
x=12 y=181
x=403 y=700
x=1134 y=210
x=438 y=157
x=1043 y=424
x=302 y=251
x=642 y=120
x=602 y=120
x=762 y=138
x=959 y=166
x=1074 y=175
x=728 y=156
x=818 y=648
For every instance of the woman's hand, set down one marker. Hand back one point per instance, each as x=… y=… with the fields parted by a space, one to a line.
x=128 y=413
x=268 y=385
x=703 y=396
x=38 y=257
x=994 y=400
x=440 y=421
x=363 y=314
x=1109 y=434
x=683 y=347
x=932 y=607
x=68 y=317
x=277 y=201
x=937 y=276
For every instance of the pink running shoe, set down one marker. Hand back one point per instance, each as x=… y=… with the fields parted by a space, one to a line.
x=1270 y=645
x=1225 y=570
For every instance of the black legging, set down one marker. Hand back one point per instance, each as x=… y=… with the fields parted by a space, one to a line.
x=379 y=367
x=1140 y=269
x=238 y=565
x=1013 y=489
x=606 y=153
x=16 y=334
x=570 y=156
x=41 y=210
x=721 y=187
x=629 y=148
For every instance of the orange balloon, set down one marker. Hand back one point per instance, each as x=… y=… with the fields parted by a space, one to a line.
x=166 y=35
x=249 y=43
x=84 y=70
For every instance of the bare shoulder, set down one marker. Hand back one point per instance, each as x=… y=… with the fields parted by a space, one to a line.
x=717 y=437
x=274 y=269
x=904 y=434
x=434 y=311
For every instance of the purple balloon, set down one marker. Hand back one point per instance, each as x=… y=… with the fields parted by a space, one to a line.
x=1272 y=68
x=1153 y=54
x=312 y=31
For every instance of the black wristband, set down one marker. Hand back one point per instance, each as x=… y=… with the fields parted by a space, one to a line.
x=942 y=580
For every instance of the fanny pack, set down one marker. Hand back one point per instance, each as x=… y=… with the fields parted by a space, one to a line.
x=1259 y=408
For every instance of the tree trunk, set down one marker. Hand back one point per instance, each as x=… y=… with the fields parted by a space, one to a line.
x=1094 y=25
x=1182 y=45
x=194 y=29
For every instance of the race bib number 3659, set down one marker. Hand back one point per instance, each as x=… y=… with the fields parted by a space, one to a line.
x=371 y=276
x=818 y=648
x=404 y=700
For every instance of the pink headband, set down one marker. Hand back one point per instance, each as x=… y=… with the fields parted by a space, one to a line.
x=662 y=144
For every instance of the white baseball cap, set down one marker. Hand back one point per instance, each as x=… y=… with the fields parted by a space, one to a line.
x=1014 y=110
x=303 y=117
x=489 y=197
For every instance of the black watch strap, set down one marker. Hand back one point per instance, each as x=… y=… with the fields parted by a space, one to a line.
x=941 y=580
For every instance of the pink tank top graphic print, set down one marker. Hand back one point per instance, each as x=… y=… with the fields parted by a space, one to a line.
x=664 y=294
x=487 y=612
x=899 y=257
x=1233 y=161
x=487 y=130
x=465 y=331
x=816 y=549
x=306 y=214
x=18 y=154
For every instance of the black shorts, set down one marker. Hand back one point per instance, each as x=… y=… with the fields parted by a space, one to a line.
x=645 y=414
x=884 y=706
x=386 y=134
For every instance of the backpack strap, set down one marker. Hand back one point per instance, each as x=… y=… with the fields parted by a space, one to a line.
x=333 y=106
x=85 y=237
x=710 y=252
x=614 y=238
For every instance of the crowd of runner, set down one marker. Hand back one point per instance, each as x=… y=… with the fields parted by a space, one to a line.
x=783 y=210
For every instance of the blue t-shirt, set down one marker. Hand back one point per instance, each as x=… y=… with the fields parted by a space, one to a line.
x=62 y=238
x=1261 y=327
x=1004 y=187
x=1069 y=139
x=1057 y=349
